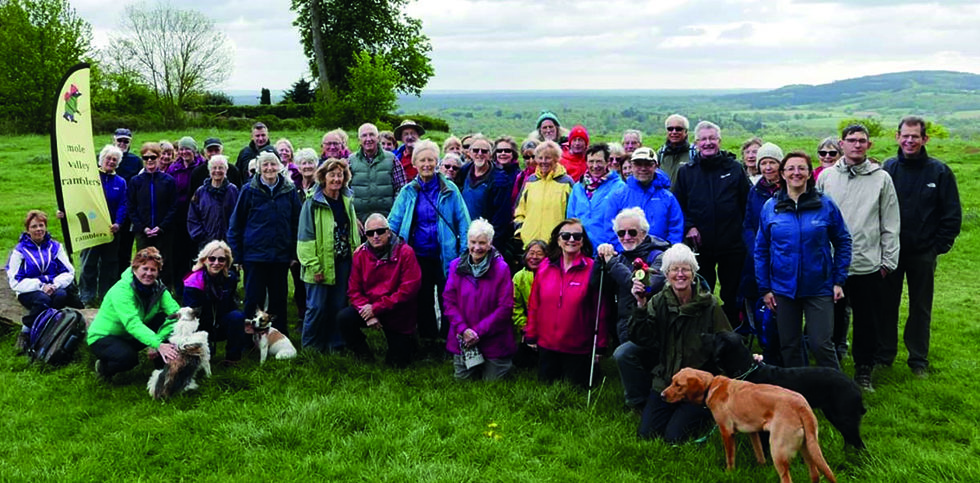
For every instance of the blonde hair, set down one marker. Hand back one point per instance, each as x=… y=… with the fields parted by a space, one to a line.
x=208 y=249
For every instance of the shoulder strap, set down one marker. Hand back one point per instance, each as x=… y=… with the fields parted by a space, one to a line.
x=443 y=218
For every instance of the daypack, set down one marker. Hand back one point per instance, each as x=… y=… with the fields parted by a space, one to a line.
x=56 y=335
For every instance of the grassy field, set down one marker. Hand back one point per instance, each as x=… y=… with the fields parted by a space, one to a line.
x=331 y=418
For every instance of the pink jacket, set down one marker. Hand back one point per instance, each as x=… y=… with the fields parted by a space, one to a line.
x=484 y=304
x=562 y=308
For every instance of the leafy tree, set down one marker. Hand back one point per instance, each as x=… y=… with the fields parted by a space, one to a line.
x=266 y=97
x=217 y=98
x=335 y=32
x=39 y=41
x=301 y=92
x=873 y=125
x=119 y=92
x=372 y=92
x=178 y=53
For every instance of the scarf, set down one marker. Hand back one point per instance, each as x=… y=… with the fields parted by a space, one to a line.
x=591 y=184
x=478 y=269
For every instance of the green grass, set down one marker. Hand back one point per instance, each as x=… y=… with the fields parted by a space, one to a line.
x=330 y=418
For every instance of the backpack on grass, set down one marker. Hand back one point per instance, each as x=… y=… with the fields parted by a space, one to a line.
x=56 y=335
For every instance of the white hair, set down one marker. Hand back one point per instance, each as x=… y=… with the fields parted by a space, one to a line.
x=266 y=157
x=217 y=158
x=634 y=132
x=306 y=154
x=375 y=216
x=703 y=125
x=677 y=117
x=480 y=227
x=110 y=150
x=424 y=145
x=679 y=254
x=634 y=213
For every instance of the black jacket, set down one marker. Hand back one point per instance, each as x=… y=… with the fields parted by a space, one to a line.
x=712 y=193
x=928 y=200
x=620 y=270
x=152 y=201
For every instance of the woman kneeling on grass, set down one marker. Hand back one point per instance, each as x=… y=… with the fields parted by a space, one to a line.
x=479 y=299
x=133 y=316
x=210 y=288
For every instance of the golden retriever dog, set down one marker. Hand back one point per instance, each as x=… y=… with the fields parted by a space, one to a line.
x=750 y=408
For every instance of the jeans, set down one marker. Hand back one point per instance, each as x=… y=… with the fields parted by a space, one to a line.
x=635 y=363
x=323 y=302
x=37 y=301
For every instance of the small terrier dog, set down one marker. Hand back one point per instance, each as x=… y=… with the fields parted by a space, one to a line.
x=193 y=356
x=267 y=338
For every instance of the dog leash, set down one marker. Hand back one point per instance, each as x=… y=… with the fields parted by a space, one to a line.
x=750 y=371
x=714 y=428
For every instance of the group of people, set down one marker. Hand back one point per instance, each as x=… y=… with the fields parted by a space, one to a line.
x=581 y=250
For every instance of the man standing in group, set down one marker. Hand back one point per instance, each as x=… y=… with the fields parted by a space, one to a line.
x=259 y=143
x=866 y=197
x=573 y=156
x=712 y=190
x=676 y=151
x=407 y=133
x=212 y=147
x=649 y=189
x=632 y=139
x=129 y=166
x=376 y=178
x=929 y=201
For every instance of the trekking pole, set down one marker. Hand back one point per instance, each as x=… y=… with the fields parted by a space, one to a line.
x=595 y=333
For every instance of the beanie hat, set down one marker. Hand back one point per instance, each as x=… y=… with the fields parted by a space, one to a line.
x=769 y=150
x=187 y=142
x=547 y=115
x=579 y=132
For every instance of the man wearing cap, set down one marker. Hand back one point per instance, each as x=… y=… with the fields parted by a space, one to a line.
x=649 y=189
x=259 y=143
x=407 y=132
x=129 y=166
x=676 y=151
x=376 y=178
x=712 y=190
x=212 y=147
x=573 y=152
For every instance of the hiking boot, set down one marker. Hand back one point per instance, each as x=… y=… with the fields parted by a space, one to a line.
x=920 y=372
x=98 y=371
x=862 y=376
x=23 y=340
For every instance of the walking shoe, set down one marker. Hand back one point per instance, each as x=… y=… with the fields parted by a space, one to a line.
x=23 y=340
x=862 y=376
x=920 y=372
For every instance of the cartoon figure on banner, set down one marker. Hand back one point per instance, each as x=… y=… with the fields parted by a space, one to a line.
x=71 y=103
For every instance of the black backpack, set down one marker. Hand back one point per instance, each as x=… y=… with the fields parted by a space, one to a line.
x=55 y=336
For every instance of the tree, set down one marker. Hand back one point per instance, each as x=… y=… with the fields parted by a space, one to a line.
x=372 y=92
x=335 y=32
x=39 y=41
x=872 y=124
x=265 y=98
x=177 y=52
x=301 y=92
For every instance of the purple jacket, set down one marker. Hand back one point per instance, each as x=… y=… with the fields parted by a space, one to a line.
x=182 y=176
x=209 y=212
x=484 y=304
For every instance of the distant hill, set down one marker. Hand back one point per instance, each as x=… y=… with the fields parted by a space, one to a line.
x=894 y=85
x=251 y=98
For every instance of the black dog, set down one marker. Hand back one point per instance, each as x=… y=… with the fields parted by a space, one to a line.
x=837 y=395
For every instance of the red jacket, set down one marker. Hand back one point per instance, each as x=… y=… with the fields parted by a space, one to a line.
x=562 y=309
x=390 y=285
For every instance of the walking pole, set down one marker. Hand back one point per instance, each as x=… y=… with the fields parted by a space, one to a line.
x=595 y=333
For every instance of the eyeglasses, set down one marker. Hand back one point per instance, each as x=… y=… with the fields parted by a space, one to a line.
x=212 y=259
x=710 y=138
x=150 y=157
x=675 y=129
x=616 y=159
x=856 y=141
x=331 y=143
x=505 y=151
x=479 y=150
x=680 y=270
x=632 y=232
x=568 y=235
x=375 y=232
x=827 y=153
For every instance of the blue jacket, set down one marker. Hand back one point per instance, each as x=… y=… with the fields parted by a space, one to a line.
x=758 y=196
x=114 y=187
x=152 y=201
x=454 y=220
x=593 y=212
x=657 y=202
x=209 y=212
x=263 y=225
x=803 y=249
x=490 y=200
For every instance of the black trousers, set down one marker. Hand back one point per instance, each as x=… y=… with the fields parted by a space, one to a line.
x=120 y=353
x=866 y=294
x=268 y=279
x=919 y=269
x=400 y=346
x=673 y=422
x=554 y=366
x=433 y=278
x=729 y=276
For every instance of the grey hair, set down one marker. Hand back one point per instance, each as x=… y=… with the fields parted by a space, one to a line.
x=451 y=139
x=306 y=154
x=265 y=157
x=703 y=125
x=616 y=148
x=635 y=213
x=110 y=149
x=217 y=158
x=639 y=135
x=830 y=142
x=679 y=254
x=375 y=216
x=677 y=117
x=425 y=145
x=450 y=156
x=367 y=126
x=480 y=226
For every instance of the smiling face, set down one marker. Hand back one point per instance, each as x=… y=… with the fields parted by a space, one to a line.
x=109 y=163
x=533 y=257
x=796 y=172
x=597 y=164
x=123 y=143
x=449 y=167
x=478 y=246
x=307 y=168
x=166 y=158
x=630 y=233
x=911 y=139
x=334 y=180
x=216 y=262
x=505 y=153
x=331 y=146
x=425 y=162
x=270 y=171
x=769 y=169
x=453 y=146
x=260 y=137
x=285 y=153
x=676 y=132
x=480 y=153
x=749 y=158
x=387 y=144
x=679 y=277
x=37 y=229
x=367 y=136
x=545 y=162
x=643 y=170
x=151 y=161
x=409 y=136
x=708 y=142
x=570 y=238
x=548 y=130
x=630 y=142
x=186 y=155
x=147 y=273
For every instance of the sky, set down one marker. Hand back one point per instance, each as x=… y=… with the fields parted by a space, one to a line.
x=613 y=44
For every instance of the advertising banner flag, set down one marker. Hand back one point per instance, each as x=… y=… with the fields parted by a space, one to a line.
x=76 y=175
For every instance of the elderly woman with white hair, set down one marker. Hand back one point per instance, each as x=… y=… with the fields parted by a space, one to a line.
x=212 y=204
x=671 y=324
x=479 y=300
x=632 y=229
x=100 y=264
x=211 y=288
x=266 y=215
x=431 y=215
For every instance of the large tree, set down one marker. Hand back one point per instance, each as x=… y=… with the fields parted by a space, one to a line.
x=177 y=52
x=39 y=41
x=335 y=32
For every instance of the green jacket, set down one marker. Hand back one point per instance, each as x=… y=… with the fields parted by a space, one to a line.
x=372 y=183
x=674 y=331
x=314 y=244
x=522 y=292
x=122 y=314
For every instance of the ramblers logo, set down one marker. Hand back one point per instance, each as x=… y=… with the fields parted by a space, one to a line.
x=71 y=103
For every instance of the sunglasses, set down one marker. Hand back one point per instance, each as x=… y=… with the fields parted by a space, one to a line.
x=212 y=259
x=466 y=146
x=615 y=159
x=567 y=235
x=632 y=232
x=479 y=150
x=451 y=167
x=827 y=153
x=505 y=151
x=150 y=157
x=376 y=232
x=675 y=129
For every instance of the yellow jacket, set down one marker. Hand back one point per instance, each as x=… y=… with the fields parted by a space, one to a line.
x=542 y=204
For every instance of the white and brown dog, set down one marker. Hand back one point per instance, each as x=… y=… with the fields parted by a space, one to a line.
x=193 y=356
x=267 y=338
